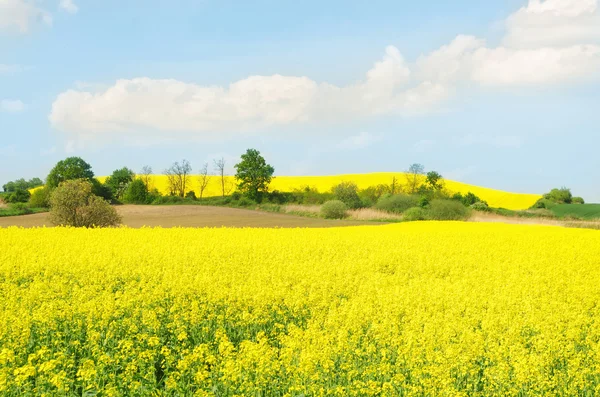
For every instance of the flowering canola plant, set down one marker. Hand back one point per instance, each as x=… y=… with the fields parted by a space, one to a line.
x=415 y=309
x=495 y=198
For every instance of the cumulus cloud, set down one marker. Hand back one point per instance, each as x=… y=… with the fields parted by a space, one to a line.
x=532 y=53
x=19 y=15
x=251 y=104
x=69 y=6
x=11 y=106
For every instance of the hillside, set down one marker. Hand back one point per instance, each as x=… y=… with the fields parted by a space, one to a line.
x=495 y=198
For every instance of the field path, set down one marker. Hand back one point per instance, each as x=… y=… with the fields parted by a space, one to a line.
x=193 y=216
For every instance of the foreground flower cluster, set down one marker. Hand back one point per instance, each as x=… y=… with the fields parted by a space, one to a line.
x=428 y=308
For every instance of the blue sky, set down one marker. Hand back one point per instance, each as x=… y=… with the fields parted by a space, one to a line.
x=503 y=94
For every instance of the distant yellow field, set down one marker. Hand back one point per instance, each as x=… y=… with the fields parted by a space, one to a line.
x=495 y=198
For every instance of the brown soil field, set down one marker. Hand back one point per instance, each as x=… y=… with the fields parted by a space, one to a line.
x=193 y=216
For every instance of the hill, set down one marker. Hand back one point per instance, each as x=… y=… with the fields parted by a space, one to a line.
x=495 y=198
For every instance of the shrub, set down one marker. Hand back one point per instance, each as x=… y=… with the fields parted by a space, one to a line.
x=447 y=210
x=18 y=196
x=74 y=204
x=414 y=214
x=544 y=203
x=245 y=202
x=560 y=196
x=310 y=195
x=347 y=193
x=480 y=206
x=577 y=200
x=100 y=190
x=191 y=195
x=136 y=192
x=334 y=209
x=423 y=201
x=397 y=203
x=371 y=195
x=40 y=198
x=22 y=208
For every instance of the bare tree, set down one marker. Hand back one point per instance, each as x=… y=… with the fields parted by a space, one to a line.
x=414 y=177
x=178 y=177
x=204 y=178
x=220 y=171
x=146 y=175
x=394 y=186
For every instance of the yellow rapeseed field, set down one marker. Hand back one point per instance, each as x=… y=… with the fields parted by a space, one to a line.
x=495 y=198
x=415 y=309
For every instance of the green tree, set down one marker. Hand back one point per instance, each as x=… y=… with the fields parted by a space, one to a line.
x=69 y=169
x=253 y=174
x=18 y=196
x=73 y=204
x=347 y=193
x=434 y=180
x=136 y=192
x=414 y=178
x=119 y=180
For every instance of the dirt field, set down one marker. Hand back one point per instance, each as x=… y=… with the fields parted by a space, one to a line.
x=193 y=216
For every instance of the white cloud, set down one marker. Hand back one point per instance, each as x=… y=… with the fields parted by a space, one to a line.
x=69 y=6
x=554 y=23
x=11 y=106
x=18 y=15
x=145 y=111
x=360 y=141
x=251 y=104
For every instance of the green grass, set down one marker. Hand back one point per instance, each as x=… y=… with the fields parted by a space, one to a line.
x=20 y=211
x=580 y=211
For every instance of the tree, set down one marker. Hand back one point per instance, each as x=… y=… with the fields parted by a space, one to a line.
x=178 y=176
x=119 y=180
x=347 y=193
x=220 y=171
x=18 y=196
x=22 y=184
x=136 y=192
x=204 y=179
x=414 y=178
x=69 y=169
x=253 y=174
x=560 y=196
x=434 y=180
x=146 y=175
x=72 y=203
x=394 y=186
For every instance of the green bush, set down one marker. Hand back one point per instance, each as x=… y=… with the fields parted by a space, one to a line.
x=397 y=203
x=544 y=203
x=468 y=199
x=19 y=196
x=72 y=203
x=347 y=193
x=136 y=193
x=191 y=195
x=577 y=200
x=310 y=195
x=447 y=210
x=414 y=214
x=245 y=202
x=479 y=206
x=334 y=209
x=560 y=196
x=40 y=198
